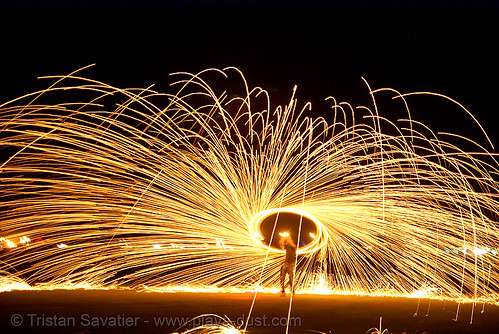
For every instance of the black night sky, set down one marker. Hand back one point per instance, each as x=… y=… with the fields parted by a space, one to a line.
x=323 y=47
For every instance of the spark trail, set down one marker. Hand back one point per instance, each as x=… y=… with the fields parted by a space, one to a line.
x=153 y=190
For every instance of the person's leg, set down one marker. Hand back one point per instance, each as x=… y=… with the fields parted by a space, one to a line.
x=283 y=277
x=291 y=275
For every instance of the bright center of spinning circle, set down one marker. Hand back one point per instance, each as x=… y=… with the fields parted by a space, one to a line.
x=268 y=226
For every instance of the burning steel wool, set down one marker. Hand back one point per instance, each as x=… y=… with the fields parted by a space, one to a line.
x=191 y=189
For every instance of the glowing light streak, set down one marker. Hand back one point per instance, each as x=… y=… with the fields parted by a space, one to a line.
x=197 y=171
x=24 y=240
x=479 y=251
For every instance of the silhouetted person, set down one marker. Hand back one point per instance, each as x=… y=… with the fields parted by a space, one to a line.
x=288 y=267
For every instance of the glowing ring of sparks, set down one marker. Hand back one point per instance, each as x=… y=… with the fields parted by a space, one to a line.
x=317 y=243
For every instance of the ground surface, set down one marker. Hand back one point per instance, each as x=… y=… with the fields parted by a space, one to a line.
x=89 y=312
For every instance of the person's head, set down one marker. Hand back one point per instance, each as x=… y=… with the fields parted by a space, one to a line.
x=286 y=240
x=282 y=240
